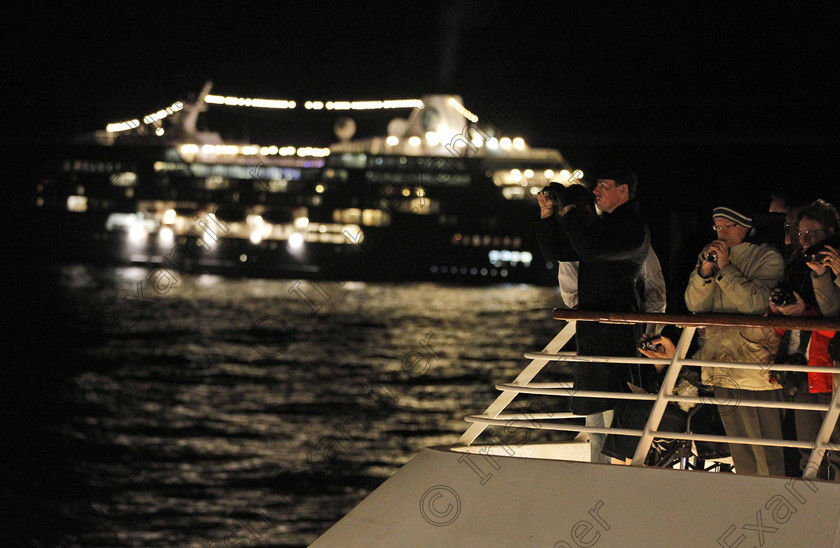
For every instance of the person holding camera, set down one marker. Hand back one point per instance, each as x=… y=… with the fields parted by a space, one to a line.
x=810 y=290
x=831 y=260
x=610 y=251
x=553 y=199
x=735 y=276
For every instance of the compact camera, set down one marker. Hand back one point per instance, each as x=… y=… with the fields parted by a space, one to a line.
x=782 y=296
x=812 y=254
x=649 y=344
x=711 y=257
x=574 y=194
x=557 y=193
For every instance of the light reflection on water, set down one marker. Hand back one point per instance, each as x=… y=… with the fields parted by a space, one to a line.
x=178 y=431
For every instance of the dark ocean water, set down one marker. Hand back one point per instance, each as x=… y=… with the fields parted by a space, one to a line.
x=237 y=412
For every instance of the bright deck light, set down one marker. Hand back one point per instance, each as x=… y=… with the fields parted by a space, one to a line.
x=166 y=236
x=137 y=233
x=296 y=241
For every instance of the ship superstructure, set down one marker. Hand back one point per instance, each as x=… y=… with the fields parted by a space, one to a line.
x=442 y=195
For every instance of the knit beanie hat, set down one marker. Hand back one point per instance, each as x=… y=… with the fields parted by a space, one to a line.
x=734 y=216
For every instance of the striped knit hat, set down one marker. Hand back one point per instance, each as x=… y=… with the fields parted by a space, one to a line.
x=732 y=215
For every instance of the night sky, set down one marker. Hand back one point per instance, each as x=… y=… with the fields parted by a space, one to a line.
x=699 y=100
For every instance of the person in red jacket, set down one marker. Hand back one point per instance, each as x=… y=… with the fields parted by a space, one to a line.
x=816 y=294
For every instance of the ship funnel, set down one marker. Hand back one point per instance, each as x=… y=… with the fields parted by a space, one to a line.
x=439 y=115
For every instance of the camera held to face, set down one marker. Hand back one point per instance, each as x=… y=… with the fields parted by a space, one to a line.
x=557 y=193
x=574 y=194
x=812 y=254
x=813 y=257
x=711 y=256
x=782 y=296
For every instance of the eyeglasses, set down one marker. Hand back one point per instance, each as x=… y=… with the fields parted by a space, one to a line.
x=718 y=228
x=793 y=230
x=808 y=233
x=604 y=185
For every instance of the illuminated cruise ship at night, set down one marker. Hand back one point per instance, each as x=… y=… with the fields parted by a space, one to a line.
x=442 y=195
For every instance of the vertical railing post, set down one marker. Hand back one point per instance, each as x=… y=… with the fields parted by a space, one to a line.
x=661 y=403
x=823 y=437
x=530 y=371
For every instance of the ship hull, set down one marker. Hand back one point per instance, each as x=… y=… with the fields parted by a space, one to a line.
x=444 y=497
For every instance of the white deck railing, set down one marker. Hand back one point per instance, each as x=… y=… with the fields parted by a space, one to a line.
x=523 y=384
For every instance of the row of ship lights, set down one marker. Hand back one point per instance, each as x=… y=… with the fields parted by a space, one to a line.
x=432 y=138
x=284 y=104
x=138 y=232
x=253 y=150
x=497 y=257
x=314 y=105
x=148 y=119
x=473 y=271
x=565 y=175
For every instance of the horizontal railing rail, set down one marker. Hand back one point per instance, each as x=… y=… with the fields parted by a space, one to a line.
x=522 y=384
x=538 y=390
x=702 y=320
x=657 y=434
x=572 y=357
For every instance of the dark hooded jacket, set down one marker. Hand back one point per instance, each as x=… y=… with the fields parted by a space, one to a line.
x=611 y=252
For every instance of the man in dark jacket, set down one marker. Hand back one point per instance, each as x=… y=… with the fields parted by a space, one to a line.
x=611 y=252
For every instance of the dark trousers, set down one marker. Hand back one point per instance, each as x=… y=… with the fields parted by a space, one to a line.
x=598 y=339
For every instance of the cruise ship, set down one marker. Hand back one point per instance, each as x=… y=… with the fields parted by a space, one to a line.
x=440 y=195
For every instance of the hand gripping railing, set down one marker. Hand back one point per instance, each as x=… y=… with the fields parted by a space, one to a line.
x=522 y=383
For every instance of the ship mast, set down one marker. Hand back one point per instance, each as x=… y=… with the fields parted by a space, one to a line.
x=189 y=116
